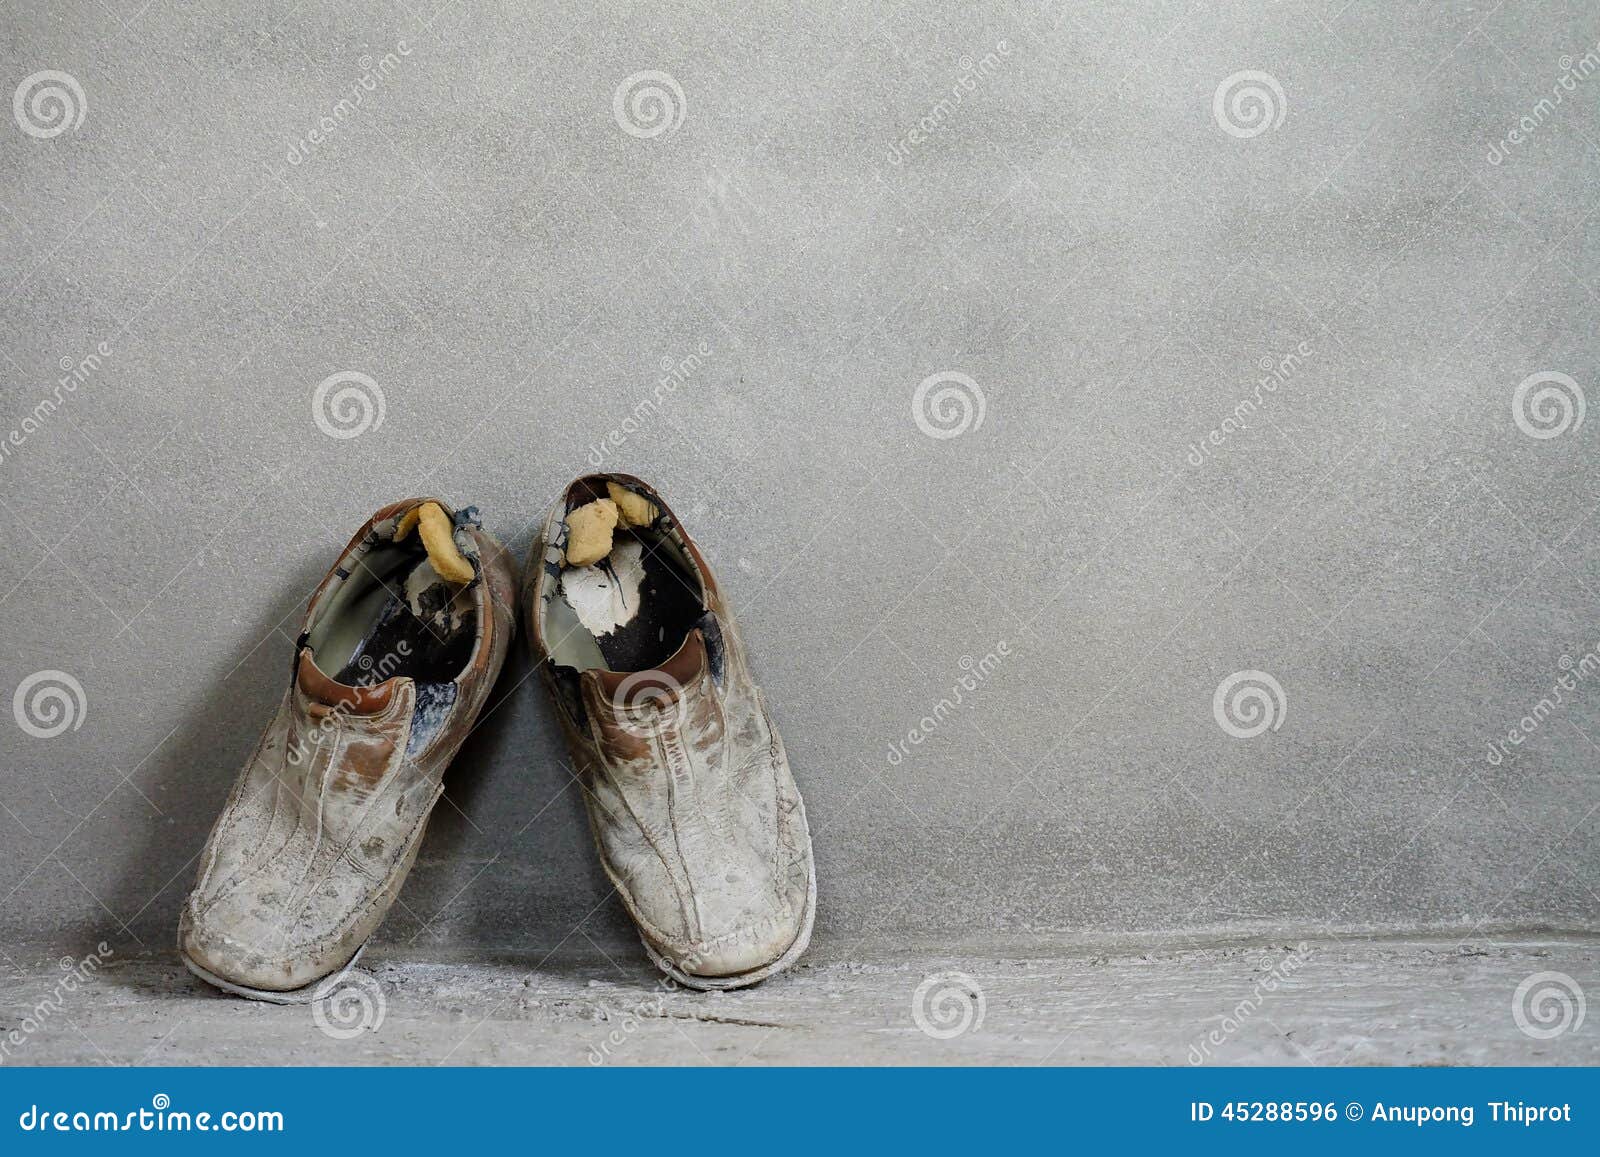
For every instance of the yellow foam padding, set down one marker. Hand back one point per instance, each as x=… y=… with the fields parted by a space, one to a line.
x=407 y=523
x=633 y=509
x=589 y=532
x=438 y=537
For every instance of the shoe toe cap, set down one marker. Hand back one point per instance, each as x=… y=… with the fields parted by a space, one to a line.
x=752 y=945
x=734 y=960
x=229 y=939
x=245 y=965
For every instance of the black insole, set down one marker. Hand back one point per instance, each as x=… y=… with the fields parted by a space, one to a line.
x=669 y=607
x=431 y=654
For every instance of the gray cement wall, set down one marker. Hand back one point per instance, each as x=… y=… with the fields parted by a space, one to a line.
x=822 y=212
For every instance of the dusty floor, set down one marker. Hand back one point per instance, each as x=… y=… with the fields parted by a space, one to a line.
x=1346 y=1001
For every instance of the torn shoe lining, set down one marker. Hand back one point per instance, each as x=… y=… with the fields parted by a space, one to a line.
x=629 y=612
x=394 y=616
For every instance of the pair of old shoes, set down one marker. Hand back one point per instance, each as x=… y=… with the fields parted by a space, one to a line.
x=691 y=802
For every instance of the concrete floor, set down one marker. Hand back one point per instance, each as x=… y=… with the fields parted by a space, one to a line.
x=1352 y=1001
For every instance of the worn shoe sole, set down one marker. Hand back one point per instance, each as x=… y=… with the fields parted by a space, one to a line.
x=305 y=994
x=756 y=975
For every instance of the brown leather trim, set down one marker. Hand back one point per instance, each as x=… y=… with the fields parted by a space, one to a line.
x=490 y=553
x=320 y=689
x=688 y=662
x=683 y=669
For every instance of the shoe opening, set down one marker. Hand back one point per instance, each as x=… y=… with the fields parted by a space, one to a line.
x=627 y=593
x=405 y=604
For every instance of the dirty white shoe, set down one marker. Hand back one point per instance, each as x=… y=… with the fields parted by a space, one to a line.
x=402 y=643
x=694 y=811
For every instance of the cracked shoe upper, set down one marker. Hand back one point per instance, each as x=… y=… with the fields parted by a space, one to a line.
x=692 y=804
x=325 y=820
x=698 y=819
x=311 y=847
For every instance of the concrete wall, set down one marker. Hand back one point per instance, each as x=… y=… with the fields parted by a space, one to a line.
x=834 y=210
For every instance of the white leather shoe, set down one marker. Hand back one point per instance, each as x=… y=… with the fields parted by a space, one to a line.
x=402 y=643
x=691 y=802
